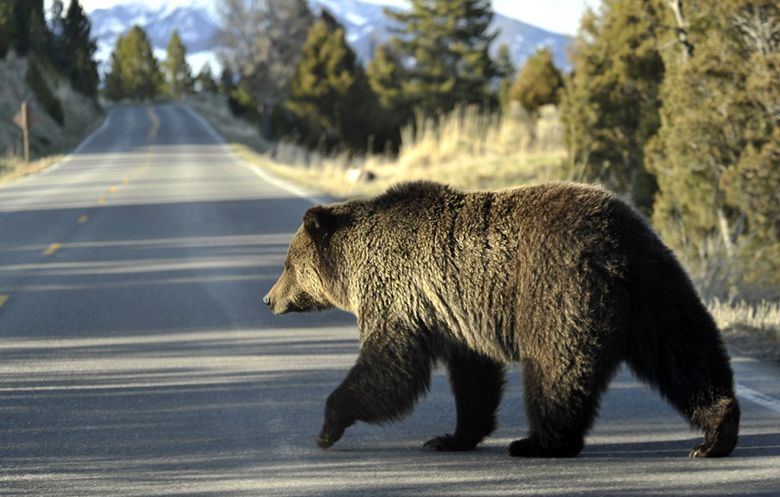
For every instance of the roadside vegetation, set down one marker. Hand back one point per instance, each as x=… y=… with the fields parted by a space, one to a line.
x=51 y=66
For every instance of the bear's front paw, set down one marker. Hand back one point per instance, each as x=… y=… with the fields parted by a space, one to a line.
x=448 y=443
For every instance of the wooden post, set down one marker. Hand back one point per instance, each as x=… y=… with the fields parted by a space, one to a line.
x=26 y=131
x=22 y=119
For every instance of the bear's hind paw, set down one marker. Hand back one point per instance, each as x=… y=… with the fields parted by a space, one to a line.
x=448 y=443
x=710 y=450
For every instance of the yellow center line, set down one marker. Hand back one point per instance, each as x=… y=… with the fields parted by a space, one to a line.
x=155 y=124
x=52 y=248
x=101 y=200
x=4 y=298
x=113 y=189
x=125 y=180
x=83 y=218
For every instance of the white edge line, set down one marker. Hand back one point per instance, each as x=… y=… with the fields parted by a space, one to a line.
x=65 y=159
x=758 y=398
x=92 y=135
x=260 y=173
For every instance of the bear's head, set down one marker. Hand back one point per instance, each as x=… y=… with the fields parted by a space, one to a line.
x=306 y=283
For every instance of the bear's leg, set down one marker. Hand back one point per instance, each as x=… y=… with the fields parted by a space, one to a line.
x=477 y=382
x=392 y=371
x=561 y=406
x=690 y=368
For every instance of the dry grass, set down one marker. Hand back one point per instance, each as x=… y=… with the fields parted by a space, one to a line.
x=763 y=315
x=474 y=150
x=467 y=149
x=12 y=168
x=752 y=329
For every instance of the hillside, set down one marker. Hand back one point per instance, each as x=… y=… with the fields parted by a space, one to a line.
x=46 y=136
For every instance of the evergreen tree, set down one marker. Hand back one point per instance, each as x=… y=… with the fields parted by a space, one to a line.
x=78 y=51
x=178 y=77
x=134 y=71
x=23 y=27
x=444 y=45
x=610 y=106
x=506 y=71
x=716 y=156
x=226 y=79
x=329 y=93
x=6 y=22
x=40 y=87
x=38 y=37
x=205 y=81
x=385 y=76
x=57 y=53
x=538 y=83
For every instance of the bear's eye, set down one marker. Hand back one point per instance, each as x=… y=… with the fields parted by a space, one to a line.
x=287 y=266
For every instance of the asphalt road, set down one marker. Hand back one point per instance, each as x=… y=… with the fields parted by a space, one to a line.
x=136 y=358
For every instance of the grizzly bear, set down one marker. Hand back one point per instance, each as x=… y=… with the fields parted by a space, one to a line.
x=567 y=280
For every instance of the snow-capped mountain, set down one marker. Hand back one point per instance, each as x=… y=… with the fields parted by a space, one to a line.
x=197 y=26
x=366 y=25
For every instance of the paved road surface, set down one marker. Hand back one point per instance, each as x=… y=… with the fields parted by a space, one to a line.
x=135 y=358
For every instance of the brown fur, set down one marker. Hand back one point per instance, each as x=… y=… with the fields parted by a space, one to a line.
x=565 y=279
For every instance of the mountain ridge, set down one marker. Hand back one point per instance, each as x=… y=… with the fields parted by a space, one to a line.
x=365 y=24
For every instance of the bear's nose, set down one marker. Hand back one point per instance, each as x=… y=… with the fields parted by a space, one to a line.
x=267 y=299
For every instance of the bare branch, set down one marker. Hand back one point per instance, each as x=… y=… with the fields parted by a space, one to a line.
x=682 y=28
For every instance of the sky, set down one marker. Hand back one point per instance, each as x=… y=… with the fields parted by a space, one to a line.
x=560 y=16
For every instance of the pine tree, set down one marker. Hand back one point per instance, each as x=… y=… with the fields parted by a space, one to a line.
x=38 y=37
x=226 y=79
x=57 y=53
x=329 y=93
x=506 y=72
x=78 y=51
x=610 y=106
x=134 y=71
x=385 y=77
x=205 y=81
x=6 y=23
x=178 y=77
x=23 y=27
x=538 y=83
x=444 y=45
x=40 y=87
x=716 y=156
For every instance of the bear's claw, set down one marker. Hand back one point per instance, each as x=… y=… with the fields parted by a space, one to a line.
x=324 y=443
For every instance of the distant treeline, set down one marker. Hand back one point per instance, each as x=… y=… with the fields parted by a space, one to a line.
x=60 y=47
x=296 y=75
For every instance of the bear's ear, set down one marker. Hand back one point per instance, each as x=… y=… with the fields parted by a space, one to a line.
x=320 y=222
